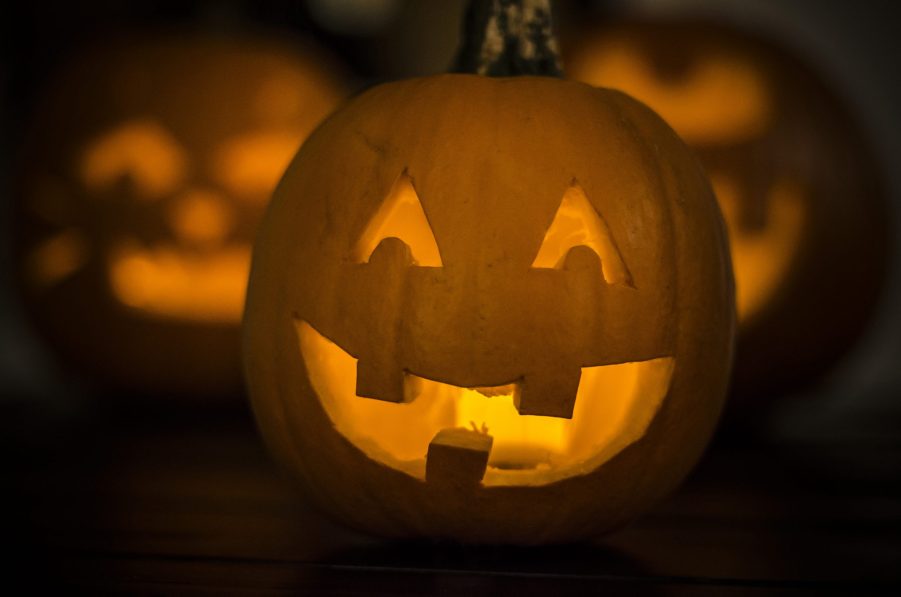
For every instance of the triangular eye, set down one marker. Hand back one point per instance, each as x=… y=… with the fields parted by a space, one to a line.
x=142 y=150
x=578 y=223
x=400 y=216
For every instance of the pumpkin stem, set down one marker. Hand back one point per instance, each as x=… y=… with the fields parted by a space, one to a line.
x=508 y=38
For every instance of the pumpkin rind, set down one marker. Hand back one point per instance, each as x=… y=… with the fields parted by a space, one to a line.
x=490 y=159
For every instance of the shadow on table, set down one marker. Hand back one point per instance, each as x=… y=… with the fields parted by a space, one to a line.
x=453 y=569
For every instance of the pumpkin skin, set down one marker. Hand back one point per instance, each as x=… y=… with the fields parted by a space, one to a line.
x=147 y=171
x=798 y=185
x=491 y=162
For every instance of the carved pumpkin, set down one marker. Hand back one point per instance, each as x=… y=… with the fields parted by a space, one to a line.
x=490 y=310
x=794 y=178
x=147 y=171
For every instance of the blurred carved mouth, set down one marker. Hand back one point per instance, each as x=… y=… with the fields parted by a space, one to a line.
x=446 y=434
x=170 y=283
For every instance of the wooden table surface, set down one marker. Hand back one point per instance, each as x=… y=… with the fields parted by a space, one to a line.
x=146 y=505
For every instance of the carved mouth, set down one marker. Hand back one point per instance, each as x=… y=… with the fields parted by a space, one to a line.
x=447 y=433
x=167 y=282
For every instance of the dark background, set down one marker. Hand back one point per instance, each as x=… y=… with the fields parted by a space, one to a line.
x=839 y=435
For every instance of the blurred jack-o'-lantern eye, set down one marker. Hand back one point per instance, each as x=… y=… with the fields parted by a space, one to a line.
x=141 y=151
x=715 y=98
x=251 y=164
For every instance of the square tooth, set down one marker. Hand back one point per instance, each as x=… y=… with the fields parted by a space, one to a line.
x=458 y=458
x=375 y=380
x=548 y=395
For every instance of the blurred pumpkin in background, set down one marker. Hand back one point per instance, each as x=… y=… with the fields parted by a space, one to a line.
x=797 y=184
x=146 y=171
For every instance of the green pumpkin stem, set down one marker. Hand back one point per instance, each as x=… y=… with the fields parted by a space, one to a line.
x=508 y=38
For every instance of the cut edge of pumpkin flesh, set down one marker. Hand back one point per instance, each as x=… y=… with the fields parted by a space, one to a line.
x=445 y=434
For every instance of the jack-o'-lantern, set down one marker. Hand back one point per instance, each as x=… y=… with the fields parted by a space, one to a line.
x=145 y=175
x=490 y=309
x=794 y=178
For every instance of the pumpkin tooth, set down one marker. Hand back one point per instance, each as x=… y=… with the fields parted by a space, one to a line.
x=458 y=458
x=549 y=395
x=375 y=380
x=376 y=376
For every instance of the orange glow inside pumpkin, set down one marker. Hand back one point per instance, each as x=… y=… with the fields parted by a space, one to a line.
x=578 y=223
x=614 y=403
x=614 y=406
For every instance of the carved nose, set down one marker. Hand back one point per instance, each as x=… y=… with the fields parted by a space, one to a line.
x=201 y=218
